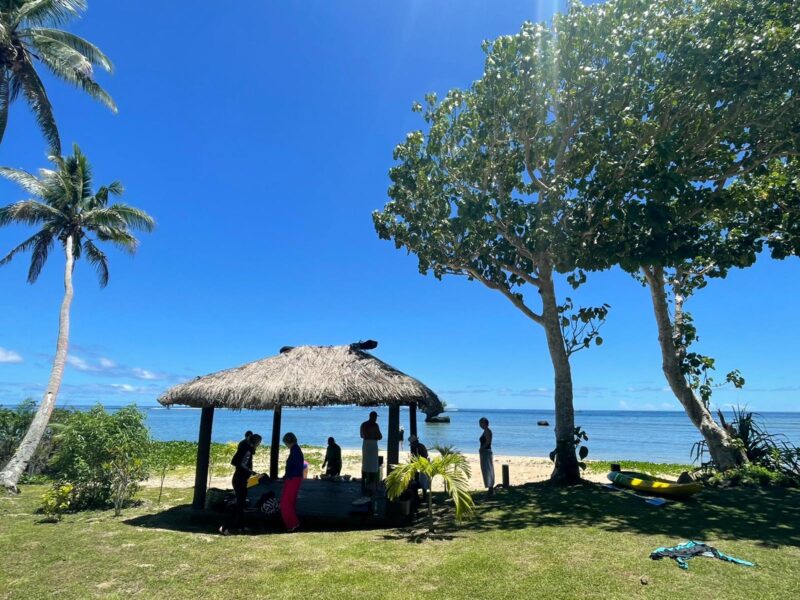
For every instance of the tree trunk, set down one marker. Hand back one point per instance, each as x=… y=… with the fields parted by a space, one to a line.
x=566 y=470
x=722 y=452
x=12 y=472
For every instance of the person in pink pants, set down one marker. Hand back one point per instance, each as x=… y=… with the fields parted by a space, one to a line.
x=291 y=482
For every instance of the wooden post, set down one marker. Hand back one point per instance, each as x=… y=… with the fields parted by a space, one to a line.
x=393 y=444
x=275 y=446
x=203 y=456
x=506 y=477
x=412 y=418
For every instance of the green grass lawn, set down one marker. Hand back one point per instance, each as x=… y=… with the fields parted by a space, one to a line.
x=529 y=542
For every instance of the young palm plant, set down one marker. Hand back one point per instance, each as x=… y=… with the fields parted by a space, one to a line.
x=29 y=31
x=67 y=212
x=454 y=470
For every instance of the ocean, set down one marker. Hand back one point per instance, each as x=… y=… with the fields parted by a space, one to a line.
x=613 y=435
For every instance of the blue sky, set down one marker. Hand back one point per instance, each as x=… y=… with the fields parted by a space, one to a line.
x=260 y=135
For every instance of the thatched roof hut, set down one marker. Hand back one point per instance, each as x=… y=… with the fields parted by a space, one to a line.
x=306 y=376
x=303 y=376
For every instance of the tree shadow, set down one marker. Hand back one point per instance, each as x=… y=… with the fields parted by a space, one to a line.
x=770 y=517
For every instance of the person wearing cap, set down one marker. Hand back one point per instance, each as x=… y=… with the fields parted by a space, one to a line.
x=370 y=467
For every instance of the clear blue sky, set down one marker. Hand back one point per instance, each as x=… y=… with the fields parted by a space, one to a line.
x=259 y=134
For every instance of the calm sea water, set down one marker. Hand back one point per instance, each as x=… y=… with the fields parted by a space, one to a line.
x=613 y=435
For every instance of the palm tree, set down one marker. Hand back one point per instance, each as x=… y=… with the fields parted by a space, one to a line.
x=454 y=470
x=24 y=36
x=68 y=213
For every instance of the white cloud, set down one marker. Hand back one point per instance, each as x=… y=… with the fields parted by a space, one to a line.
x=124 y=387
x=78 y=363
x=107 y=367
x=144 y=374
x=9 y=356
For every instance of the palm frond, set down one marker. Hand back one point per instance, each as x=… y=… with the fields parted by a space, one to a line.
x=27 y=181
x=115 y=188
x=91 y=52
x=400 y=478
x=23 y=247
x=454 y=470
x=71 y=66
x=43 y=12
x=134 y=218
x=29 y=212
x=41 y=248
x=122 y=239
x=5 y=100
x=40 y=104
x=97 y=258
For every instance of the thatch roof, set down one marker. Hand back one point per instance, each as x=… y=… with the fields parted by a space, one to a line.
x=306 y=376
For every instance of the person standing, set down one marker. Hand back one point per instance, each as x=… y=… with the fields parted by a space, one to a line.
x=418 y=450
x=402 y=435
x=242 y=462
x=370 y=466
x=333 y=459
x=291 y=482
x=486 y=456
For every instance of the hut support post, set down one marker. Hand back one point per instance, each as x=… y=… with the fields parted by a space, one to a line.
x=412 y=418
x=393 y=444
x=275 y=446
x=203 y=456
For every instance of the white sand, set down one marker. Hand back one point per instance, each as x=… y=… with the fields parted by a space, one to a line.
x=522 y=469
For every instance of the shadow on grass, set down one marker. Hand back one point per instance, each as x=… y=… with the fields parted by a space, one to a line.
x=184 y=518
x=768 y=516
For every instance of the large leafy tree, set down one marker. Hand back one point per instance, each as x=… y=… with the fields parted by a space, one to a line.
x=68 y=213
x=28 y=33
x=488 y=191
x=708 y=104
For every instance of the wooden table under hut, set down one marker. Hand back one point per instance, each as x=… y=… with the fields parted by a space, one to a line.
x=306 y=377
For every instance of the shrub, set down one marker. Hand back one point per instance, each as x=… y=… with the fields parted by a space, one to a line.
x=103 y=456
x=751 y=475
x=56 y=501
x=14 y=422
x=772 y=459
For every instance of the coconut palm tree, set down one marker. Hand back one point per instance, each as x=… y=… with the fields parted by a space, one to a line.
x=67 y=212
x=28 y=32
x=452 y=468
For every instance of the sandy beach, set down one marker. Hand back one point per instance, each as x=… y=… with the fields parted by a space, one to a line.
x=522 y=469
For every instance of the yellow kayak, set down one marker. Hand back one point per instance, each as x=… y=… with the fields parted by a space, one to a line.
x=642 y=482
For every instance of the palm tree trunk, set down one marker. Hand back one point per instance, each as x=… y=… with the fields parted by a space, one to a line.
x=565 y=470
x=723 y=453
x=12 y=472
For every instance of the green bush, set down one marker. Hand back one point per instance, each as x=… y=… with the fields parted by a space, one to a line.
x=56 y=501
x=14 y=422
x=103 y=455
x=752 y=475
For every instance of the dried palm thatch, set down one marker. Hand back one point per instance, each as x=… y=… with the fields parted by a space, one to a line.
x=306 y=376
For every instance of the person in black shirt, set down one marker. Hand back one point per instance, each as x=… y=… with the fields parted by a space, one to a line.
x=333 y=459
x=242 y=462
